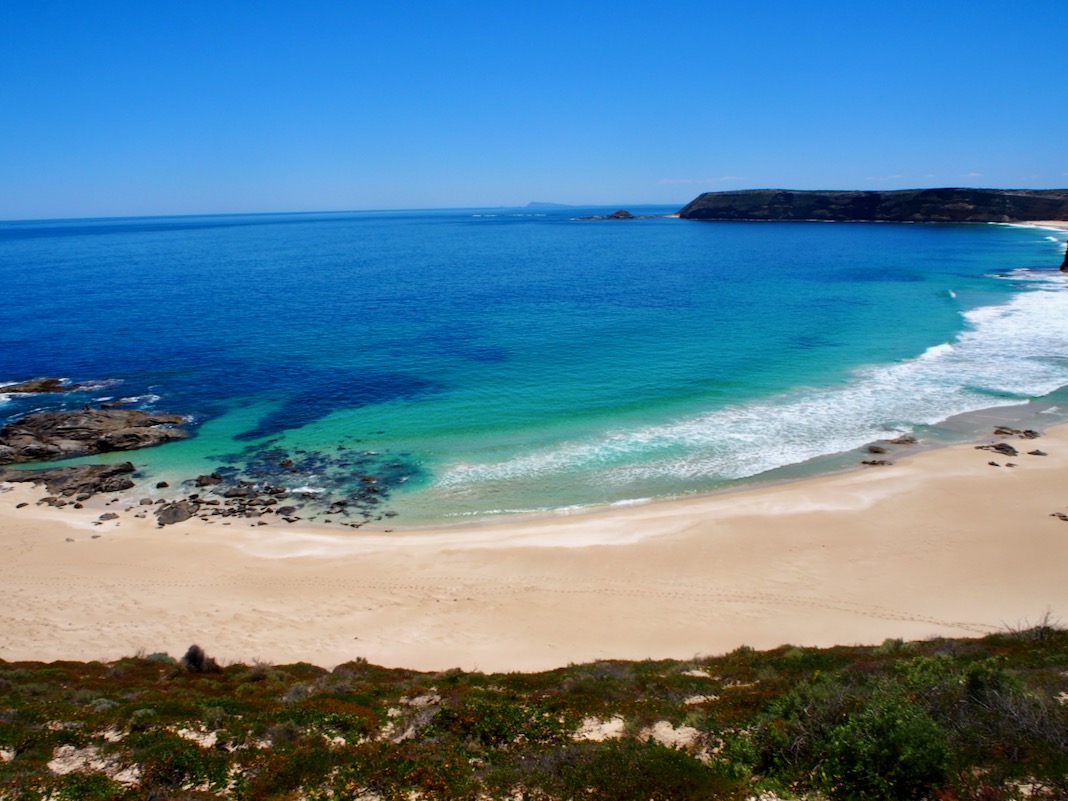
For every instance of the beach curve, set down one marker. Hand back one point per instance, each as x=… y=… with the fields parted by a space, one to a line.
x=942 y=543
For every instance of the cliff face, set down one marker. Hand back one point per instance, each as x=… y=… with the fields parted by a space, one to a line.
x=905 y=205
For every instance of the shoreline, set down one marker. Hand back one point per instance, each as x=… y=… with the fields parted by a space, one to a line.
x=938 y=544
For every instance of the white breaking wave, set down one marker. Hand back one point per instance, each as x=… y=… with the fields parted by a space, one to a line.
x=1008 y=353
x=145 y=399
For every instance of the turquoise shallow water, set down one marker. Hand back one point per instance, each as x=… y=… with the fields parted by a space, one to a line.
x=497 y=361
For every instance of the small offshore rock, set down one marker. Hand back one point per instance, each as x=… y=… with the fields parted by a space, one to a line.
x=40 y=385
x=109 y=516
x=877 y=462
x=162 y=485
x=876 y=449
x=904 y=439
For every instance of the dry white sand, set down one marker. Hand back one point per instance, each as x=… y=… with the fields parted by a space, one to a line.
x=1061 y=224
x=940 y=543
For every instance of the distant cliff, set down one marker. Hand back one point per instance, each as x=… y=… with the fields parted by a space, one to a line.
x=905 y=205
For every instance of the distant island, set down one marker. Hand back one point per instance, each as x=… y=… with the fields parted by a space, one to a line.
x=904 y=205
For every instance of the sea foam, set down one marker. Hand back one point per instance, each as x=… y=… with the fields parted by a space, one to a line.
x=1006 y=354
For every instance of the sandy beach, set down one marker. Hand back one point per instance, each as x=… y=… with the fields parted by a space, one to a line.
x=940 y=543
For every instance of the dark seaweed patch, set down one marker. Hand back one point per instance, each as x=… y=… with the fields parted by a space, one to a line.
x=341 y=391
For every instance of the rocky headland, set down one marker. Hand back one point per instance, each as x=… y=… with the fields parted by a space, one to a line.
x=905 y=205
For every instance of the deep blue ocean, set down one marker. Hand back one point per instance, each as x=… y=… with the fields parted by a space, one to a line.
x=502 y=361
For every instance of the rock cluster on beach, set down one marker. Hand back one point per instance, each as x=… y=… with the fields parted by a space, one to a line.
x=905 y=205
x=79 y=482
x=60 y=434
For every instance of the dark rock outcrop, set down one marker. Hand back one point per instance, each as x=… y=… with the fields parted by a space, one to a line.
x=81 y=481
x=906 y=205
x=622 y=214
x=41 y=385
x=54 y=435
x=176 y=512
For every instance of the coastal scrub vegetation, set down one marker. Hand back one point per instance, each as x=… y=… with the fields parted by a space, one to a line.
x=946 y=720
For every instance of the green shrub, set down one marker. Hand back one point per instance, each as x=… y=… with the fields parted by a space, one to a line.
x=499 y=722
x=170 y=762
x=279 y=771
x=87 y=787
x=626 y=770
x=889 y=750
x=393 y=772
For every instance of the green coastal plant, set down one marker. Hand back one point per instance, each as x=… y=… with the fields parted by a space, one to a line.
x=946 y=720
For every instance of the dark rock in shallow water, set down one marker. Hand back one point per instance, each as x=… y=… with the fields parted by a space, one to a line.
x=53 y=435
x=904 y=439
x=1006 y=431
x=905 y=205
x=79 y=480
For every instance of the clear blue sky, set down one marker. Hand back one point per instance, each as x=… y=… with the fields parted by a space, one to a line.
x=126 y=108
